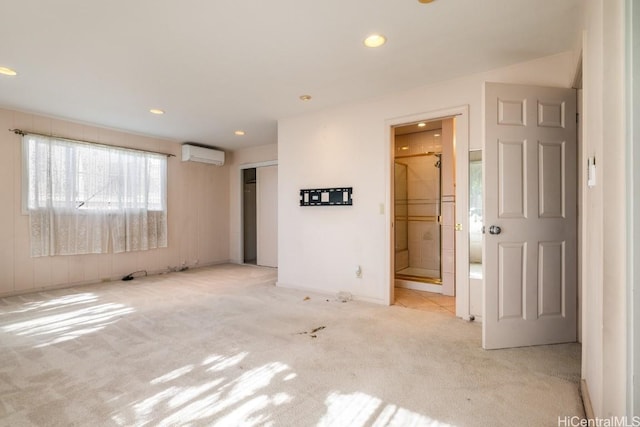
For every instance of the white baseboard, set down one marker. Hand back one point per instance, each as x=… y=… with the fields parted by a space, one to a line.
x=98 y=281
x=586 y=400
x=325 y=294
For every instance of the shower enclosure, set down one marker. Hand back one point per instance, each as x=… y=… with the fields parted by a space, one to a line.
x=418 y=205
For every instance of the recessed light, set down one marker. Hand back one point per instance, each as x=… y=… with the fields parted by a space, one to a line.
x=375 y=40
x=406 y=147
x=239 y=132
x=425 y=1
x=421 y=125
x=7 y=71
x=436 y=134
x=156 y=111
x=305 y=97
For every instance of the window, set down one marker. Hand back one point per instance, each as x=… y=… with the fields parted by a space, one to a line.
x=90 y=198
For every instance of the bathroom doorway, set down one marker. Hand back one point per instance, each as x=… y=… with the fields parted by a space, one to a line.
x=424 y=206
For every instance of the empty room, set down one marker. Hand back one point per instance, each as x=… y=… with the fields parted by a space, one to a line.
x=363 y=213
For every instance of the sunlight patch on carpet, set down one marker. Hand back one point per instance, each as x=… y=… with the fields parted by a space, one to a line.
x=359 y=409
x=220 y=363
x=177 y=373
x=50 y=304
x=64 y=324
x=223 y=393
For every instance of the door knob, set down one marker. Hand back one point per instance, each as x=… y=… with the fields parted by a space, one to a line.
x=494 y=229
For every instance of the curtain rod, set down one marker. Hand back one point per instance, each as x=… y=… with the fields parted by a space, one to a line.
x=23 y=133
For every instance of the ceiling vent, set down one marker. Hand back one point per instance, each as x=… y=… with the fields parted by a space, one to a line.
x=193 y=153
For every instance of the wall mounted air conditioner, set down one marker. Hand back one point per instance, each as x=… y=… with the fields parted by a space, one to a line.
x=193 y=153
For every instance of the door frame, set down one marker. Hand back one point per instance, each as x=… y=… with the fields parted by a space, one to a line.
x=241 y=169
x=633 y=206
x=461 y=150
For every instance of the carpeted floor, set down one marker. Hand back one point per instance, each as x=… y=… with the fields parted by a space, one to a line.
x=223 y=346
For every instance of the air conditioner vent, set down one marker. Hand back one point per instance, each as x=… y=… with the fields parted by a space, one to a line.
x=193 y=153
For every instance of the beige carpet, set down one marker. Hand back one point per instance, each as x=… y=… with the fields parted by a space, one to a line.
x=223 y=346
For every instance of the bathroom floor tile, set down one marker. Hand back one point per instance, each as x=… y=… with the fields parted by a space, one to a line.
x=425 y=301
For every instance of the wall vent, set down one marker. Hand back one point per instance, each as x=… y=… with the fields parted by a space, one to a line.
x=193 y=153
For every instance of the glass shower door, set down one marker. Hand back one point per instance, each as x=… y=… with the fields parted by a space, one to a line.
x=418 y=236
x=400 y=217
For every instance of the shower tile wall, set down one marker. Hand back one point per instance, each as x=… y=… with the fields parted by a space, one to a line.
x=418 y=143
x=423 y=191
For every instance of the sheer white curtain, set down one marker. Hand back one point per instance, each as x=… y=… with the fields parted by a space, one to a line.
x=85 y=198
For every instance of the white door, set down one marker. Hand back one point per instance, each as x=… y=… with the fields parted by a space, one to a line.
x=529 y=216
x=267 y=215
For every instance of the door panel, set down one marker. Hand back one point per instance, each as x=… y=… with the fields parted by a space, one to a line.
x=530 y=181
x=551 y=283
x=552 y=176
x=512 y=190
x=512 y=265
x=267 y=215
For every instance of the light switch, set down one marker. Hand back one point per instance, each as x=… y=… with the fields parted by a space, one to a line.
x=591 y=171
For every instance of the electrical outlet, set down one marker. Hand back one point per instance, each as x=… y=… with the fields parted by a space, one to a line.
x=359 y=272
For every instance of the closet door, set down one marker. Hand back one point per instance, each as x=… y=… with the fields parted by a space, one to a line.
x=267 y=215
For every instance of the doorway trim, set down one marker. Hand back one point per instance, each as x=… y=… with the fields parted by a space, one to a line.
x=461 y=151
x=241 y=169
x=633 y=206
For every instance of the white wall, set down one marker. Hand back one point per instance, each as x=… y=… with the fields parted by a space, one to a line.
x=197 y=214
x=236 y=159
x=320 y=247
x=604 y=365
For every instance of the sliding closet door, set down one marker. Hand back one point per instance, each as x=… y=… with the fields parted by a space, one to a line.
x=267 y=215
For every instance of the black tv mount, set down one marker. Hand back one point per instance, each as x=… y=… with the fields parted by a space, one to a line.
x=339 y=196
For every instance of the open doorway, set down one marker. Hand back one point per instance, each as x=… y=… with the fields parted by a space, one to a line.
x=455 y=120
x=249 y=218
x=423 y=210
x=260 y=214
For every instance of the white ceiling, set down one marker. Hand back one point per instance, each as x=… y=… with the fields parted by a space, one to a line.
x=216 y=66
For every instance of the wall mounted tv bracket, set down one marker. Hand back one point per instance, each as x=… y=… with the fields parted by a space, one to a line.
x=341 y=196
